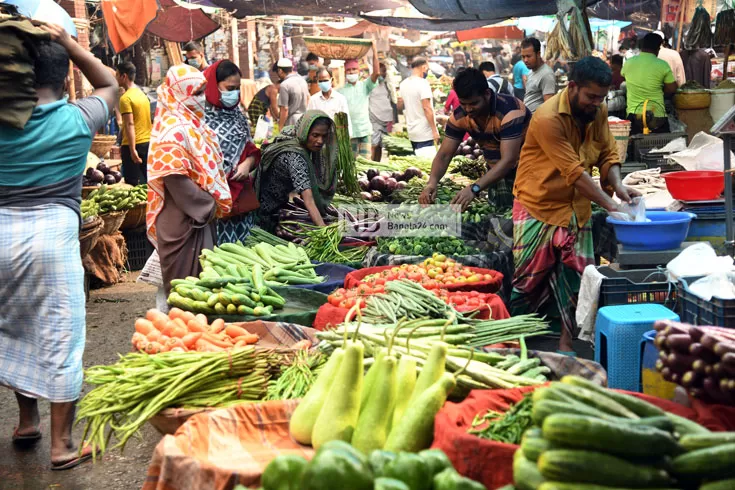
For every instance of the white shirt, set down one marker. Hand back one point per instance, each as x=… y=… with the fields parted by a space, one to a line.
x=332 y=105
x=673 y=58
x=413 y=90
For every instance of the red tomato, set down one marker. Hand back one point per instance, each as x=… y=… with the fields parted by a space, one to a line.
x=351 y=293
x=459 y=300
x=474 y=294
x=378 y=289
x=343 y=304
x=364 y=289
x=379 y=282
x=474 y=302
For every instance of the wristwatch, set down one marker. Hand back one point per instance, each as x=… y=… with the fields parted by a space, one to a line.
x=475 y=189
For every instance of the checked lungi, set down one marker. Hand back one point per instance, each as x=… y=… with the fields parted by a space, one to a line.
x=549 y=261
x=42 y=324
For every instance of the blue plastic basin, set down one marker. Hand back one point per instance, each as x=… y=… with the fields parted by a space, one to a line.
x=665 y=231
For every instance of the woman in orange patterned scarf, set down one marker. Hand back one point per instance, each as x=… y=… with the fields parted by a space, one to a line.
x=187 y=189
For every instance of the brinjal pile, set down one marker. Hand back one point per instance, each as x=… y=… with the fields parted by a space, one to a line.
x=700 y=30
x=102 y=174
x=377 y=186
x=469 y=149
x=701 y=359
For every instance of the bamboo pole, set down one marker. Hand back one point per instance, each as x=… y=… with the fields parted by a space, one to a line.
x=682 y=10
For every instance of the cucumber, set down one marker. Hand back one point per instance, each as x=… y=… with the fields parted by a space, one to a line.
x=220 y=282
x=241 y=299
x=615 y=437
x=714 y=462
x=593 y=399
x=660 y=422
x=555 y=485
x=526 y=475
x=685 y=426
x=544 y=408
x=533 y=444
x=728 y=484
x=640 y=407
x=231 y=309
x=220 y=309
x=693 y=442
x=577 y=466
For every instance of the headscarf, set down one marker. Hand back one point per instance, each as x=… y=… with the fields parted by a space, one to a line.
x=182 y=144
x=230 y=124
x=322 y=167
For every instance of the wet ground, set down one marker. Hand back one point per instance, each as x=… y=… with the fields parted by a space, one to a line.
x=110 y=316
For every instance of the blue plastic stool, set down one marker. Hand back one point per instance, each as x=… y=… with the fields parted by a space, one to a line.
x=618 y=332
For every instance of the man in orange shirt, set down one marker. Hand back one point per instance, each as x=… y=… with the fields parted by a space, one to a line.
x=568 y=135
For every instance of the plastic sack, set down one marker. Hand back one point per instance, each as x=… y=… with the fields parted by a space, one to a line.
x=261 y=129
x=720 y=285
x=699 y=259
x=635 y=211
x=705 y=152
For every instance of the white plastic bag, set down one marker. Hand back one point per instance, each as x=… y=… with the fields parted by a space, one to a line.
x=705 y=152
x=719 y=285
x=635 y=211
x=261 y=129
x=428 y=152
x=699 y=259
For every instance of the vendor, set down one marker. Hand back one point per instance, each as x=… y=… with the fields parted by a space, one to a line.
x=498 y=124
x=357 y=92
x=301 y=160
x=568 y=135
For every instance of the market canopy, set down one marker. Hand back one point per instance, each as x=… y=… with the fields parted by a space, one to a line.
x=493 y=10
x=353 y=8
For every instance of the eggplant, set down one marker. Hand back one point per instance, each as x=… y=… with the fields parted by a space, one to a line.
x=90 y=171
x=378 y=183
x=109 y=179
x=477 y=152
x=398 y=175
x=118 y=175
x=97 y=177
x=467 y=150
x=679 y=342
x=281 y=233
x=102 y=167
x=331 y=211
x=471 y=157
x=366 y=196
x=364 y=184
x=299 y=202
x=372 y=173
x=470 y=141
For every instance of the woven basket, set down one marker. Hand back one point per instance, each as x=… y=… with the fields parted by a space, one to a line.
x=410 y=50
x=621 y=133
x=89 y=234
x=338 y=48
x=692 y=99
x=102 y=143
x=112 y=221
x=135 y=217
x=87 y=190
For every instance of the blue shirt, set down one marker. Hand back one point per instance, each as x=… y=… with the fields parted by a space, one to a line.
x=520 y=70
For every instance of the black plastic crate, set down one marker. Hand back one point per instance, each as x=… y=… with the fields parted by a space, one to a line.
x=636 y=286
x=693 y=309
x=139 y=248
x=642 y=143
x=660 y=160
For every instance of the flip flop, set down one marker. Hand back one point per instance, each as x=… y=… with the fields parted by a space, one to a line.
x=27 y=438
x=569 y=353
x=86 y=455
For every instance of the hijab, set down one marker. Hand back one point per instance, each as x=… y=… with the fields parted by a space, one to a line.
x=182 y=144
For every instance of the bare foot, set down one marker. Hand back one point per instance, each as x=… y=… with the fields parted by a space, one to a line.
x=29 y=419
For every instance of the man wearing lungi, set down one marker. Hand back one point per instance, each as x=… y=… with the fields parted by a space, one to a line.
x=42 y=324
x=567 y=136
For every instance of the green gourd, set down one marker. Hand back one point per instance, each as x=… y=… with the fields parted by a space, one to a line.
x=305 y=415
x=338 y=417
x=367 y=384
x=405 y=383
x=433 y=368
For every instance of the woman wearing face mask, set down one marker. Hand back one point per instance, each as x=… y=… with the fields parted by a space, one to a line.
x=241 y=156
x=301 y=160
x=187 y=188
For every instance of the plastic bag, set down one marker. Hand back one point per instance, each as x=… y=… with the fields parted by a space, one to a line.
x=705 y=152
x=635 y=211
x=719 y=285
x=699 y=259
x=426 y=152
x=261 y=129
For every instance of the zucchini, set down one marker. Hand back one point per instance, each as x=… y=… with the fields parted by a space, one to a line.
x=685 y=426
x=577 y=466
x=614 y=437
x=526 y=475
x=719 y=485
x=640 y=407
x=533 y=444
x=555 y=485
x=593 y=399
x=714 y=462
x=544 y=408
x=692 y=442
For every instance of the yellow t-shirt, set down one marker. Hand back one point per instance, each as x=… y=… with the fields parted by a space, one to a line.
x=135 y=102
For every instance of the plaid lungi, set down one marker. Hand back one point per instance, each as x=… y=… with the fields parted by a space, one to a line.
x=549 y=261
x=42 y=326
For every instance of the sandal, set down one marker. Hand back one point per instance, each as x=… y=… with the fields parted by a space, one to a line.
x=86 y=455
x=27 y=439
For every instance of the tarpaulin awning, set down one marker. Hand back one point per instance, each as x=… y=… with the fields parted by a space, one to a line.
x=545 y=23
x=353 y=8
x=490 y=32
x=497 y=10
x=126 y=20
x=179 y=24
x=424 y=24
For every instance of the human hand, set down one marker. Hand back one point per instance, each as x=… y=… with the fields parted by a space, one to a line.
x=428 y=195
x=242 y=171
x=58 y=34
x=463 y=198
x=136 y=158
x=436 y=136
x=626 y=194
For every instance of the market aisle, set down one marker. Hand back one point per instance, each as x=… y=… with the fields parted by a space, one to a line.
x=110 y=316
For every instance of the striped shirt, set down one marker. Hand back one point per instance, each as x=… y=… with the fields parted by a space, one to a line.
x=508 y=120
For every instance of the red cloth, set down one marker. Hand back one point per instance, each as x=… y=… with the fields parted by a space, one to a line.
x=492 y=286
x=329 y=316
x=211 y=91
x=491 y=463
x=126 y=20
x=452 y=102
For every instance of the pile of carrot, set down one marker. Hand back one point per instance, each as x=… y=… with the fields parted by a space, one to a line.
x=183 y=331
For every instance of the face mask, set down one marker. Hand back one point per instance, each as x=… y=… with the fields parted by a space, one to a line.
x=230 y=98
x=193 y=62
x=352 y=77
x=325 y=86
x=426 y=74
x=313 y=67
x=381 y=79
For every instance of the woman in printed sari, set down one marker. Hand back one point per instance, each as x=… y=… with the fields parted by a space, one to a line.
x=301 y=160
x=241 y=156
x=187 y=189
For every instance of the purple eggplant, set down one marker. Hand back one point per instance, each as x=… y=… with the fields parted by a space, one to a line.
x=371 y=173
x=378 y=183
x=102 y=167
x=109 y=179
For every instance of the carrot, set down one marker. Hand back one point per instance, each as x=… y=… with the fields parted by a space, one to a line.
x=181 y=323
x=160 y=322
x=177 y=349
x=217 y=326
x=139 y=341
x=302 y=344
x=190 y=339
x=168 y=327
x=233 y=331
x=250 y=339
x=143 y=326
x=240 y=344
x=163 y=339
x=178 y=331
x=225 y=344
x=153 y=348
x=201 y=318
x=186 y=316
x=204 y=346
x=154 y=336
x=175 y=342
x=175 y=313
x=154 y=314
x=196 y=326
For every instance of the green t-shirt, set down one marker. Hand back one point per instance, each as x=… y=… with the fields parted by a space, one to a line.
x=357 y=96
x=645 y=76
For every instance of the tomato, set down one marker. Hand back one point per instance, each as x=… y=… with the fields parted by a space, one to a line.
x=380 y=282
x=474 y=302
x=459 y=300
x=335 y=299
x=431 y=285
x=474 y=294
x=364 y=289
x=343 y=304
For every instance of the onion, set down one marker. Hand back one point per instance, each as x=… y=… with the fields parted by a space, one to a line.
x=378 y=183
x=401 y=185
x=398 y=175
x=364 y=184
x=366 y=196
x=385 y=174
x=377 y=196
x=391 y=184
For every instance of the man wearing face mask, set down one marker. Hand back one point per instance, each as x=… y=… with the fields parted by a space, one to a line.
x=552 y=235
x=135 y=109
x=328 y=100
x=357 y=93
x=382 y=100
x=312 y=77
x=195 y=56
x=293 y=94
x=418 y=107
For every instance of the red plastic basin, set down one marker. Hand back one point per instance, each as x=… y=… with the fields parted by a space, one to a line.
x=695 y=185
